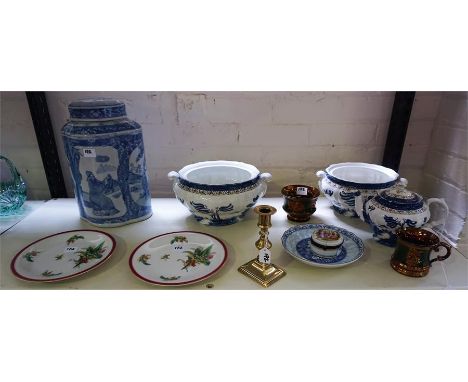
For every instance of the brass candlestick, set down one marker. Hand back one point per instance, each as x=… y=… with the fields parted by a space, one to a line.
x=264 y=274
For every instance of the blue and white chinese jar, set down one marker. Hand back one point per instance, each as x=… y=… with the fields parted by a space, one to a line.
x=107 y=161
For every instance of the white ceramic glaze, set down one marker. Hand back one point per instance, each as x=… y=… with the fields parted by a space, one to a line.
x=178 y=258
x=398 y=208
x=324 y=252
x=63 y=255
x=342 y=182
x=219 y=192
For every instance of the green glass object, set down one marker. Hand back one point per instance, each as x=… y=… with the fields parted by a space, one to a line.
x=12 y=188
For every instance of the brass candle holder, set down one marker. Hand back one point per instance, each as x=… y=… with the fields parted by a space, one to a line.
x=263 y=273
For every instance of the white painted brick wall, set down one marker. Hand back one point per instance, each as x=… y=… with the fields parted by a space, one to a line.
x=446 y=168
x=451 y=140
x=462 y=244
x=290 y=134
x=418 y=137
x=248 y=110
x=331 y=107
x=18 y=143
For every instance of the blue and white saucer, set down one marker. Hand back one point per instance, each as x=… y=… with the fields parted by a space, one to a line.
x=296 y=241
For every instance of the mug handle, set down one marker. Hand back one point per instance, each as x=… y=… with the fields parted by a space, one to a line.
x=441 y=258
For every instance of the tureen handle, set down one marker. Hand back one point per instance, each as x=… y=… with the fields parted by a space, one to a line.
x=402 y=182
x=265 y=176
x=320 y=174
x=173 y=175
x=443 y=215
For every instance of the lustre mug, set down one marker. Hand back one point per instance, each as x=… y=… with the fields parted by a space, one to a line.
x=412 y=253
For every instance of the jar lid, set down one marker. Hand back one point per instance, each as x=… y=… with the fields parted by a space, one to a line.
x=96 y=109
x=399 y=198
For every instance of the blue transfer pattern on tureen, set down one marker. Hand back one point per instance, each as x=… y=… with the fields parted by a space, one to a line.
x=220 y=187
x=215 y=193
x=341 y=193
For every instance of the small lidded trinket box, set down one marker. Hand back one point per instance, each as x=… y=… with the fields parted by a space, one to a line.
x=325 y=242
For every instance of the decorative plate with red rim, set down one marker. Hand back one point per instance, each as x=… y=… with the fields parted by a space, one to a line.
x=63 y=255
x=178 y=258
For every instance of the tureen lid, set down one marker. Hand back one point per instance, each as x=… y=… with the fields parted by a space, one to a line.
x=399 y=198
x=96 y=109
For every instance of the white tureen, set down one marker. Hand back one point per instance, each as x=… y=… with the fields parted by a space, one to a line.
x=342 y=182
x=219 y=192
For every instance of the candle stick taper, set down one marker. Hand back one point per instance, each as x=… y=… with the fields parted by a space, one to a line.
x=259 y=269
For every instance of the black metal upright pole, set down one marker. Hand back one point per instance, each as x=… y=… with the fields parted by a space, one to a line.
x=45 y=138
x=402 y=106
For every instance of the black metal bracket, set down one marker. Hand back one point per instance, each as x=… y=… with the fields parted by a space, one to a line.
x=45 y=138
x=401 y=113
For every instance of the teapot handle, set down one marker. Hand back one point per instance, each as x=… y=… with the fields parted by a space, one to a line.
x=441 y=220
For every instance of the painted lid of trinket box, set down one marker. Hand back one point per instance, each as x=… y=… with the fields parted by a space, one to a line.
x=326 y=241
x=327 y=238
x=107 y=161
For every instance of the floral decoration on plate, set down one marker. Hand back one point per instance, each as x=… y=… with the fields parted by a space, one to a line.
x=62 y=255
x=201 y=256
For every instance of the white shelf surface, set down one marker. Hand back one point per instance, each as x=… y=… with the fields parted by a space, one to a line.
x=6 y=222
x=372 y=271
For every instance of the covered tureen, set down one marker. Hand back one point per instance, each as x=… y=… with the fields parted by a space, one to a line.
x=342 y=182
x=219 y=192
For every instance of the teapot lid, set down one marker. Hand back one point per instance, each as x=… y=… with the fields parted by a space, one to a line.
x=399 y=198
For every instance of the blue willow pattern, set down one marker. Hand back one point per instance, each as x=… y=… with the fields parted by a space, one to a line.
x=108 y=165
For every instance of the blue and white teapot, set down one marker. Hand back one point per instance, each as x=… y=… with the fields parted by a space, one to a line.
x=397 y=208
